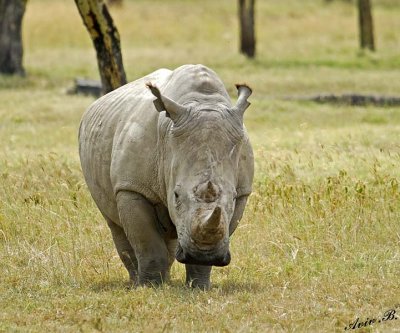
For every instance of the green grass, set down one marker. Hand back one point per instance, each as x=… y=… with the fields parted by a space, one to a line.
x=319 y=244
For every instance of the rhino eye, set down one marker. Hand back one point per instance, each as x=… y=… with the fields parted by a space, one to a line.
x=177 y=200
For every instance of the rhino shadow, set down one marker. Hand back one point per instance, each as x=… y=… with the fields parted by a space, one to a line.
x=175 y=286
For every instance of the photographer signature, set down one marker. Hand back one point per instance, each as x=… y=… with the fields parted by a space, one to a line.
x=388 y=315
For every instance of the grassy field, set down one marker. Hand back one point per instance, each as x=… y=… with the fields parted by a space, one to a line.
x=319 y=245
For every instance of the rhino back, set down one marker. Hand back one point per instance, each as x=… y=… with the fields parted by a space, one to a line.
x=118 y=142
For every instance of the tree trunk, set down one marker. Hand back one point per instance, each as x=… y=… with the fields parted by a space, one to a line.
x=106 y=41
x=247 y=35
x=11 y=51
x=366 y=25
x=115 y=3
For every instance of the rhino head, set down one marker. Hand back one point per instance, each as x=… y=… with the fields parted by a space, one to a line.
x=203 y=147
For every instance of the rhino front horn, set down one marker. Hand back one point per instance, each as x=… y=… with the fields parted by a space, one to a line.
x=174 y=110
x=210 y=231
x=244 y=92
x=214 y=219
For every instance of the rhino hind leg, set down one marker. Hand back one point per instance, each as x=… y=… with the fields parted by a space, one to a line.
x=124 y=249
x=198 y=276
x=139 y=221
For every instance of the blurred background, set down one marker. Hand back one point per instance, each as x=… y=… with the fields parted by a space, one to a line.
x=312 y=37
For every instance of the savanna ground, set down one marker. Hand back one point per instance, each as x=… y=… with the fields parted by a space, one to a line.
x=319 y=244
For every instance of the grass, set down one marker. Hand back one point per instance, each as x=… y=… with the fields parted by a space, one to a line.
x=319 y=243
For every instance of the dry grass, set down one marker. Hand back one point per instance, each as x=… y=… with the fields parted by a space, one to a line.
x=319 y=244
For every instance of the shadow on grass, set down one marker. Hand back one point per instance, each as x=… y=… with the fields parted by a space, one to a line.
x=124 y=284
x=178 y=286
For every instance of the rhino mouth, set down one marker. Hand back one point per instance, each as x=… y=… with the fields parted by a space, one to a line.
x=206 y=259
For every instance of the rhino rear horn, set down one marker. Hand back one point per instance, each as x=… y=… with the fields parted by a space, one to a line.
x=244 y=91
x=162 y=103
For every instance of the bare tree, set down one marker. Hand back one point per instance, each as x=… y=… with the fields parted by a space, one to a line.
x=106 y=41
x=366 y=25
x=247 y=34
x=11 y=50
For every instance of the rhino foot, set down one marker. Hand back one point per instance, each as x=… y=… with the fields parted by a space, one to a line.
x=198 y=276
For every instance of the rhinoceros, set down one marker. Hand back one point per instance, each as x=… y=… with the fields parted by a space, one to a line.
x=169 y=164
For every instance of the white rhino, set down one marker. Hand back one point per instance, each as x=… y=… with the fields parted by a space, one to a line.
x=170 y=175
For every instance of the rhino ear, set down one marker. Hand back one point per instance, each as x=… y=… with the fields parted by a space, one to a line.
x=244 y=91
x=162 y=103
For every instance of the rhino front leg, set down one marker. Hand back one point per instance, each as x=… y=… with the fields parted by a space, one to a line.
x=198 y=276
x=124 y=249
x=139 y=221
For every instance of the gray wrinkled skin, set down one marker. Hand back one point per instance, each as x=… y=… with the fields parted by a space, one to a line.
x=170 y=167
